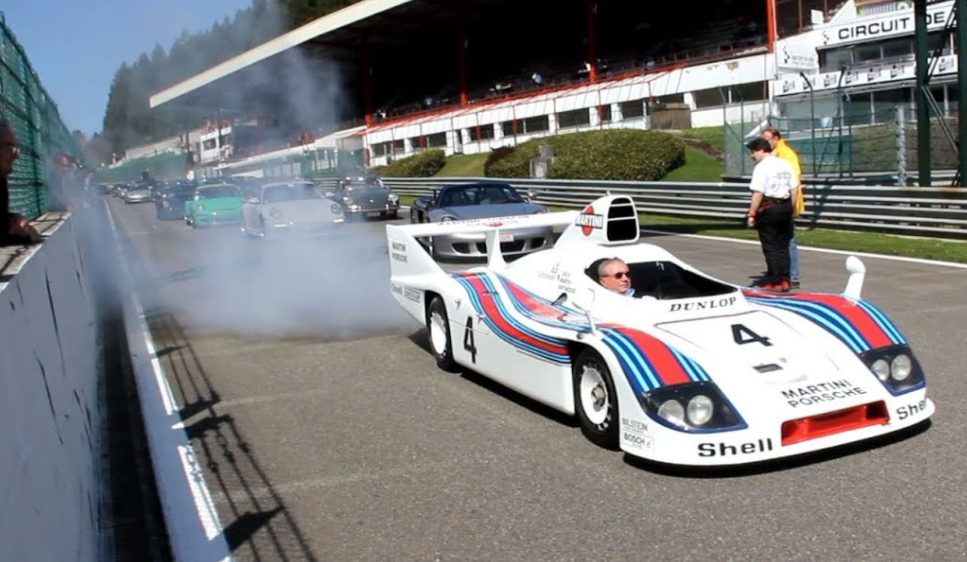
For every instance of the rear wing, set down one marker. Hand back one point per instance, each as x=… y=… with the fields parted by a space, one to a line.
x=409 y=257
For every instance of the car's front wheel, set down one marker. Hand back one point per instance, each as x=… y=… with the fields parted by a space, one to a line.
x=595 y=399
x=438 y=326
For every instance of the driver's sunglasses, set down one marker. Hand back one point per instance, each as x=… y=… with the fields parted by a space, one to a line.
x=620 y=275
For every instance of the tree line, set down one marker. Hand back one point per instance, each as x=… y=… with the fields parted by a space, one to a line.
x=128 y=120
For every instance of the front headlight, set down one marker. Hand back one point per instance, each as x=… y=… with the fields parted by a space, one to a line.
x=895 y=367
x=699 y=410
x=336 y=209
x=901 y=367
x=692 y=406
x=347 y=200
x=392 y=198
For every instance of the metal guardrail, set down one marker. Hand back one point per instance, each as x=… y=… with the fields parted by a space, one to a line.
x=922 y=211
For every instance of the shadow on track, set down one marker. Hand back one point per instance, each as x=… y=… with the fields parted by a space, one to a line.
x=257 y=524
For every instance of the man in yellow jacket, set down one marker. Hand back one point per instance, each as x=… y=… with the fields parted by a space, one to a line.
x=782 y=149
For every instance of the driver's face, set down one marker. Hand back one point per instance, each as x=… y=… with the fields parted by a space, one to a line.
x=616 y=277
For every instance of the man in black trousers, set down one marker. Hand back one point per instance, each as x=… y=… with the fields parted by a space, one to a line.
x=773 y=186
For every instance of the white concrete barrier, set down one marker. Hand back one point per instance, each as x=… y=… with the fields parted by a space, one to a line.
x=50 y=482
x=194 y=532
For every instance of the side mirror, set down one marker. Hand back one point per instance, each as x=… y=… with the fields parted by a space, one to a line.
x=857 y=273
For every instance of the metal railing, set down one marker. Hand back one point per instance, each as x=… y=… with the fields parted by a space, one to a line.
x=922 y=211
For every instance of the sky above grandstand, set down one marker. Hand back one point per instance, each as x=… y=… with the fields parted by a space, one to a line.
x=75 y=46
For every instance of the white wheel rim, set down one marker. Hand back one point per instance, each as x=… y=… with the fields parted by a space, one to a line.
x=438 y=334
x=594 y=396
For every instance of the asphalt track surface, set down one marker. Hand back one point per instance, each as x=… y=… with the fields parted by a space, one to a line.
x=329 y=433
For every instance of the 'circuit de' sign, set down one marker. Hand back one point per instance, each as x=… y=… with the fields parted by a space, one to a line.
x=888 y=25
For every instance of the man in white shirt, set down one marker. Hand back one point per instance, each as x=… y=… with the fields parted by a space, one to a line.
x=773 y=186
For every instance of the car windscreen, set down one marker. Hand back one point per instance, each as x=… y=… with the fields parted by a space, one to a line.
x=290 y=192
x=219 y=192
x=479 y=195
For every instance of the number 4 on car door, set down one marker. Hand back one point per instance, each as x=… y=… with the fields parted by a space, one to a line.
x=468 y=340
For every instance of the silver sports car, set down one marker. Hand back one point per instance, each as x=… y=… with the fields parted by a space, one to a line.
x=362 y=196
x=137 y=194
x=479 y=201
x=289 y=207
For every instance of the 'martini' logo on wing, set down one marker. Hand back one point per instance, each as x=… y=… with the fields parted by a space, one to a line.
x=588 y=221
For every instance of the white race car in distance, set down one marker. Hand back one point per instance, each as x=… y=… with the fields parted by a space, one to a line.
x=690 y=371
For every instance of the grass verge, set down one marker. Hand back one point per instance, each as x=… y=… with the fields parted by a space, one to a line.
x=464 y=165
x=698 y=166
x=715 y=136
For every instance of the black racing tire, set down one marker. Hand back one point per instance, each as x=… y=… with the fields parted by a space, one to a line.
x=438 y=333
x=599 y=418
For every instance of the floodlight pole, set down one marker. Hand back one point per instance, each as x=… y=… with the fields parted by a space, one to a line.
x=960 y=8
x=922 y=91
x=462 y=45
x=591 y=7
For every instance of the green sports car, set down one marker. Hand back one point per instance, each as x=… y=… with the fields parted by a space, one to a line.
x=214 y=205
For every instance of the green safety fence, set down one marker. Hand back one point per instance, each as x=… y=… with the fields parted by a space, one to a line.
x=36 y=121
x=166 y=166
x=851 y=141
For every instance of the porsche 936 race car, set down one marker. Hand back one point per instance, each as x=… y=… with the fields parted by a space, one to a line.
x=691 y=370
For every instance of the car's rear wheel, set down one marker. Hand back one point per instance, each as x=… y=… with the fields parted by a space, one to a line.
x=438 y=326
x=595 y=399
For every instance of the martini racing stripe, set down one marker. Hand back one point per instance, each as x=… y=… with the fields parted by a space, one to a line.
x=858 y=323
x=486 y=303
x=636 y=368
x=888 y=326
x=866 y=324
x=650 y=362
x=541 y=310
x=825 y=318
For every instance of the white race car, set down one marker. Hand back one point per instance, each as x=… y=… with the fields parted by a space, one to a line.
x=690 y=371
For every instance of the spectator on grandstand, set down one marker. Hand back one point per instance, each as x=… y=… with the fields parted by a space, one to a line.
x=773 y=189
x=14 y=229
x=783 y=150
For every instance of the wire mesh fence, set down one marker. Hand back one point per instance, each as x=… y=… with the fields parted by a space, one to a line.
x=36 y=121
x=165 y=166
x=849 y=141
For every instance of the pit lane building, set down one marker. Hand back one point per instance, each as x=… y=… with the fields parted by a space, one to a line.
x=407 y=75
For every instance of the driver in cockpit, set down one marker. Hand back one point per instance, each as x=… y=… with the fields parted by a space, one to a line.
x=613 y=274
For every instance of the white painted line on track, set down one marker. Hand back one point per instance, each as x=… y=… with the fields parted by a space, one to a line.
x=923 y=261
x=180 y=477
